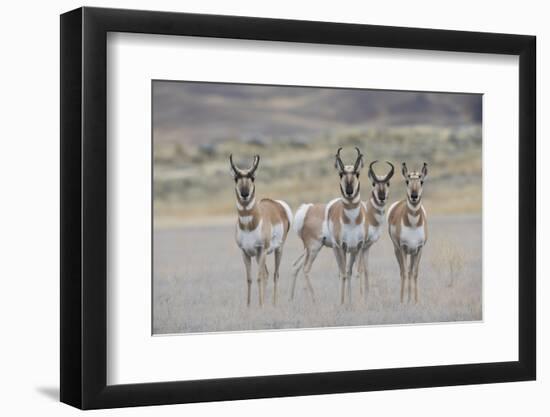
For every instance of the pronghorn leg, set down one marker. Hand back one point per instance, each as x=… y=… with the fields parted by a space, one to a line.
x=261 y=258
x=296 y=267
x=365 y=262
x=278 y=256
x=401 y=262
x=412 y=260
x=361 y=271
x=349 y=271
x=341 y=261
x=416 y=263
x=248 y=264
x=266 y=275
x=299 y=259
x=307 y=268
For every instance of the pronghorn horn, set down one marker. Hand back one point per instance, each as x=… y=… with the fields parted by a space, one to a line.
x=254 y=165
x=359 y=160
x=390 y=174
x=233 y=167
x=339 y=163
x=371 y=171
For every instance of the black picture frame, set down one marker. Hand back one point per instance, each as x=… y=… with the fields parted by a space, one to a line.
x=84 y=207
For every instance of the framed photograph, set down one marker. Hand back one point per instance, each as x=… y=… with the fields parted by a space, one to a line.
x=257 y=208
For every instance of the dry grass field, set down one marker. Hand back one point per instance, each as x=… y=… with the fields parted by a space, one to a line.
x=199 y=283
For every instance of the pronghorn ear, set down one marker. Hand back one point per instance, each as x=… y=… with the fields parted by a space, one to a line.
x=424 y=170
x=404 y=170
x=338 y=166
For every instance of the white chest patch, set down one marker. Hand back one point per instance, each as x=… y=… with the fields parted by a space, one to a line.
x=353 y=235
x=250 y=240
x=374 y=232
x=412 y=237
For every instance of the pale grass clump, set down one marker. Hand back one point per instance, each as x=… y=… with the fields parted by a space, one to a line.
x=448 y=259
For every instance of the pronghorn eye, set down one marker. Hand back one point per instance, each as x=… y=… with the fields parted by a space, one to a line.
x=421 y=182
x=373 y=184
x=388 y=184
x=407 y=182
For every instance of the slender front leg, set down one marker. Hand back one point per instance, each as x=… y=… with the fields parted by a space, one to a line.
x=278 y=256
x=399 y=254
x=248 y=265
x=365 y=262
x=260 y=258
x=361 y=271
x=416 y=263
x=266 y=275
x=412 y=261
x=351 y=261
x=340 y=256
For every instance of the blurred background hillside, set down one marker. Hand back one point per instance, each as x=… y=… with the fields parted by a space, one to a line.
x=296 y=131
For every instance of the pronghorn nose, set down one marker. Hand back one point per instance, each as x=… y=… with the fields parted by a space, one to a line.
x=349 y=189
x=244 y=193
x=414 y=195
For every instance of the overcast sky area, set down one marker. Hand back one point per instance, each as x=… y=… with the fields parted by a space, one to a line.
x=195 y=112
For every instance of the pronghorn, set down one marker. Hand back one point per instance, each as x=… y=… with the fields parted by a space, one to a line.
x=408 y=228
x=261 y=228
x=309 y=220
x=345 y=219
x=374 y=208
x=338 y=225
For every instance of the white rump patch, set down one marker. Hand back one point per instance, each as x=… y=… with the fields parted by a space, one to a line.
x=300 y=217
x=288 y=211
x=277 y=233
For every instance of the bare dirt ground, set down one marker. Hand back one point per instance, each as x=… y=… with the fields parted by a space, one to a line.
x=199 y=283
